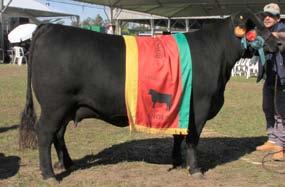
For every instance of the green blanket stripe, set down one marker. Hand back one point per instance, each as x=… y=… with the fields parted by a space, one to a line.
x=186 y=70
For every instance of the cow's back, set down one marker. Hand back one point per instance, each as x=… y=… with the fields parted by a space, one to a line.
x=79 y=69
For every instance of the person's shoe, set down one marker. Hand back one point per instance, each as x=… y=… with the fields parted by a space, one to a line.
x=267 y=146
x=279 y=155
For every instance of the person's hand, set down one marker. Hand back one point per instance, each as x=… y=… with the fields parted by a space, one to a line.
x=279 y=36
x=275 y=34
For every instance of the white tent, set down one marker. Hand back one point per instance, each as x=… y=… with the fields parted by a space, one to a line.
x=187 y=8
x=31 y=8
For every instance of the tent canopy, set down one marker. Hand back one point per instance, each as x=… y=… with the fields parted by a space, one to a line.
x=187 y=8
x=31 y=8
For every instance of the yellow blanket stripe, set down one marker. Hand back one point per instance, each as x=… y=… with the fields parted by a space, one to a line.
x=149 y=130
x=131 y=84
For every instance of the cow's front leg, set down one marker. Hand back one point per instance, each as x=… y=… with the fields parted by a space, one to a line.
x=192 y=140
x=176 y=151
x=191 y=159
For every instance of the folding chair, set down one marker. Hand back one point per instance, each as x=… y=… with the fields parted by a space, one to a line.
x=19 y=55
x=252 y=69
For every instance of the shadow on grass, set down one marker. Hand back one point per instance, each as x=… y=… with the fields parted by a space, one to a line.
x=211 y=152
x=4 y=129
x=9 y=166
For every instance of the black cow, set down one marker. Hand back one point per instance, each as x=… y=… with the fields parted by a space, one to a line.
x=78 y=74
x=157 y=97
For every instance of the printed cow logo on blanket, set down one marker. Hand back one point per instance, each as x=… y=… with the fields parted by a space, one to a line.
x=158 y=83
x=157 y=97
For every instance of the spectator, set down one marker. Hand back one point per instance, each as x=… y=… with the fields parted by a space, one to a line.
x=274 y=87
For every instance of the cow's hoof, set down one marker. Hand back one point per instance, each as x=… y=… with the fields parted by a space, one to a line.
x=174 y=167
x=177 y=165
x=177 y=161
x=196 y=173
x=58 y=166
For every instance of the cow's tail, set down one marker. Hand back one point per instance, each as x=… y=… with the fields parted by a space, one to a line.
x=28 y=135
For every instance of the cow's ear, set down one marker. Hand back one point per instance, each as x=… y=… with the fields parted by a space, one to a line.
x=239 y=22
x=239 y=31
x=245 y=21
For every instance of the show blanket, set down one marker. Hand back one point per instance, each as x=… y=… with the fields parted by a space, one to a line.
x=158 y=83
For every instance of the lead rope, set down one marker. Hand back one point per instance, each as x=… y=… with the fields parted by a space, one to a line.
x=275 y=95
x=257 y=44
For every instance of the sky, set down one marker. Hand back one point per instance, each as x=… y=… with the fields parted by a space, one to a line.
x=84 y=10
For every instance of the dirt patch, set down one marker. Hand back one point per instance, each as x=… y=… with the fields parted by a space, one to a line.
x=145 y=160
x=9 y=70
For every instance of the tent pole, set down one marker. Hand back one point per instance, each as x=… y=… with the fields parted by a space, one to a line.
x=112 y=20
x=169 y=25
x=1 y=32
x=152 y=26
x=187 y=25
x=118 y=27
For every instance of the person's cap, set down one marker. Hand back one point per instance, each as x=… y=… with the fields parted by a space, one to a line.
x=272 y=8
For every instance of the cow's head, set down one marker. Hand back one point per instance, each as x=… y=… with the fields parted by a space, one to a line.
x=246 y=22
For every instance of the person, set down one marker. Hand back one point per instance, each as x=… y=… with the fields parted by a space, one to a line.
x=274 y=86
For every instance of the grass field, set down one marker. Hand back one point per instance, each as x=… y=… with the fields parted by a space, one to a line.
x=111 y=156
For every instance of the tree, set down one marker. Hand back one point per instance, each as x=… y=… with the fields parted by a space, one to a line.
x=87 y=21
x=98 y=20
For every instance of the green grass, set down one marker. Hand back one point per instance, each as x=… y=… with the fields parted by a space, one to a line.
x=242 y=113
x=112 y=156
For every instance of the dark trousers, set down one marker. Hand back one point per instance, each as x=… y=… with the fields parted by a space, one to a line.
x=274 y=109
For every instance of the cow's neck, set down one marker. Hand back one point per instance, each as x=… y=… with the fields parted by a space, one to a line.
x=233 y=48
x=222 y=42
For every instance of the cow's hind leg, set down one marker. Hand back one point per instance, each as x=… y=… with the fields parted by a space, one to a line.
x=49 y=124
x=176 y=151
x=46 y=134
x=64 y=159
